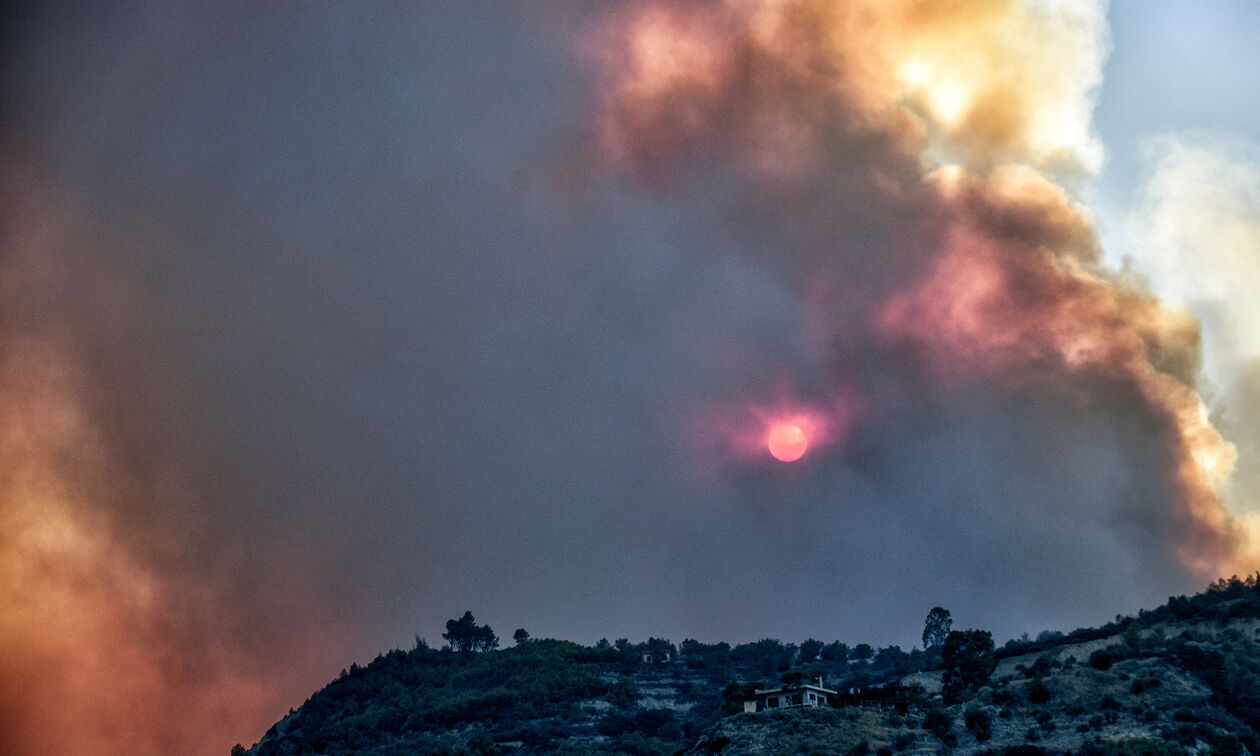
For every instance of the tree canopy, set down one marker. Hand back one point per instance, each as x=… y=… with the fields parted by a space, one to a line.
x=466 y=636
x=968 y=658
x=936 y=627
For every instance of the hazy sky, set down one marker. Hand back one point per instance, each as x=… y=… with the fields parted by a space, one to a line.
x=323 y=324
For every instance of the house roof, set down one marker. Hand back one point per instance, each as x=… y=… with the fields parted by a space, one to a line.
x=794 y=689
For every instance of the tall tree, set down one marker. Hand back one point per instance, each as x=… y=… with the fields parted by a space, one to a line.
x=968 y=660
x=936 y=627
x=466 y=636
x=836 y=652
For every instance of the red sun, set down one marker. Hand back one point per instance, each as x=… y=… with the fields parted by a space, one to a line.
x=787 y=442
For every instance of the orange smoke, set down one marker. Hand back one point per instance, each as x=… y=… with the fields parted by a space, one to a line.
x=107 y=649
x=1020 y=307
x=976 y=82
x=953 y=119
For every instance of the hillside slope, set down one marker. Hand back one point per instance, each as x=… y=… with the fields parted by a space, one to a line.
x=1193 y=692
x=1183 y=677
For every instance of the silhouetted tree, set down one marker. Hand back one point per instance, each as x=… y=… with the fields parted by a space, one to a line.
x=520 y=637
x=466 y=636
x=793 y=677
x=889 y=658
x=968 y=660
x=862 y=651
x=659 y=649
x=936 y=627
x=810 y=649
x=836 y=652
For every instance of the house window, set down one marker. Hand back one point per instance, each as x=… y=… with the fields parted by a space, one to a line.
x=772 y=702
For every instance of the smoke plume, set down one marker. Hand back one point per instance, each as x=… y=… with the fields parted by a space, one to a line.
x=319 y=327
x=917 y=144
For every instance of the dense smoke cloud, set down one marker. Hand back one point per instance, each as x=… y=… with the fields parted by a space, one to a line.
x=1005 y=284
x=119 y=636
x=321 y=328
x=1195 y=235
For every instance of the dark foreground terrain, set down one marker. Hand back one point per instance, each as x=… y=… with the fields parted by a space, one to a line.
x=1183 y=678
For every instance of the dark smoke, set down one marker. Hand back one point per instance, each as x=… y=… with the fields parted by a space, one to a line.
x=322 y=327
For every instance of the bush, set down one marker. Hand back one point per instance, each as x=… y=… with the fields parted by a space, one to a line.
x=1038 y=693
x=980 y=723
x=1100 y=659
x=938 y=722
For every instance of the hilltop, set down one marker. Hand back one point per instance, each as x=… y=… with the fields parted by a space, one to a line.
x=1182 y=678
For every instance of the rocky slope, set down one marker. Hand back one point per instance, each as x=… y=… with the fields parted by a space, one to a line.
x=1181 y=678
x=1186 y=688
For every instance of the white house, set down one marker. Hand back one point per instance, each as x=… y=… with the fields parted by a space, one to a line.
x=791 y=696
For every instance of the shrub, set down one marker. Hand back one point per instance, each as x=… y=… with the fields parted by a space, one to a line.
x=1038 y=693
x=1100 y=659
x=1041 y=667
x=938 y=722
x=980 y=723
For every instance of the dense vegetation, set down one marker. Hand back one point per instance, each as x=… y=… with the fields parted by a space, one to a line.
x=552 y=696
x=556 y=696
x=1224 y=600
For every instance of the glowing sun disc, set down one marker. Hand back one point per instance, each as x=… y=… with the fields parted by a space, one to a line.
x=787 y=442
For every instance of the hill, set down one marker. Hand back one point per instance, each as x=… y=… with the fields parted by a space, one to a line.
x=1184 y=677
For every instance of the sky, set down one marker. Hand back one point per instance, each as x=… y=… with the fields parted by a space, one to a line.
x=321 y=325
